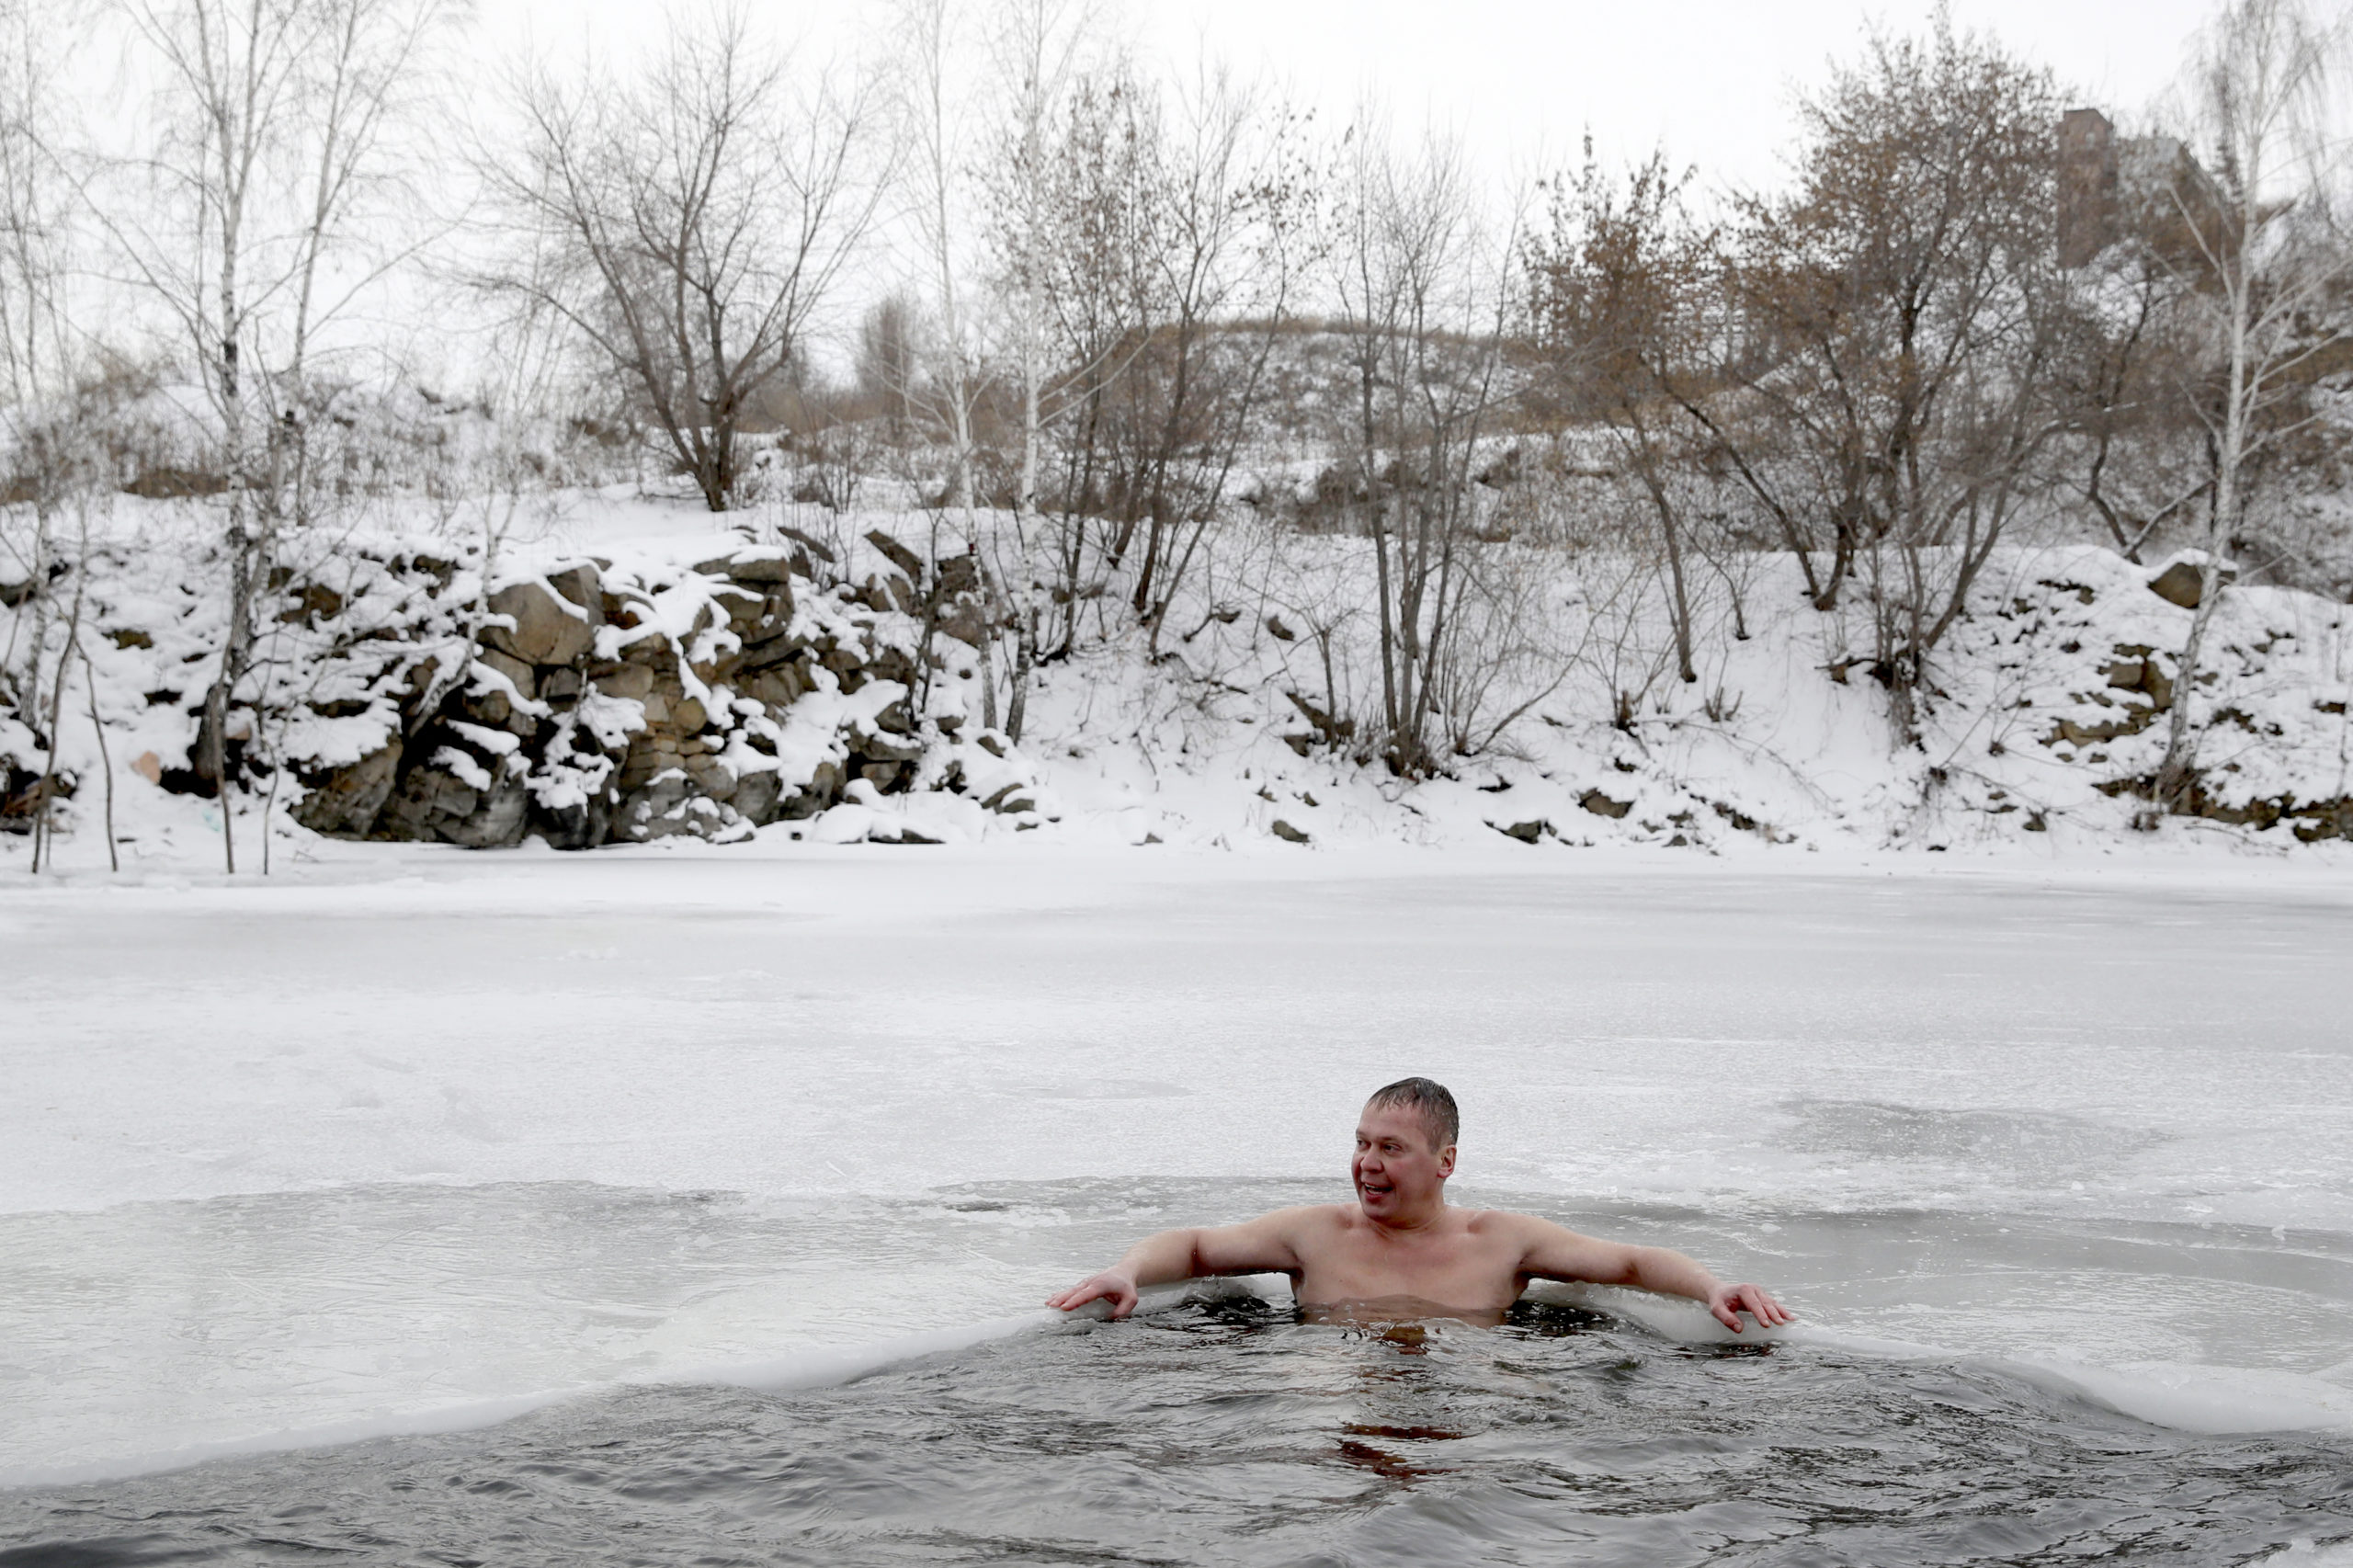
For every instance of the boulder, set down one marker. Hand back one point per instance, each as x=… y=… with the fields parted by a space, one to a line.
x=2140 y=674
x=898 y=554
x=765 y=567
x=809 y=542
x=658 y=809
x=2181 y=582
x=958 y=574
x=651 y=751
x=826 y=782
x=710 y=777
x=343 y=804
x=309 y=603
x=1289 y=834
x=633 y=682
x=769 y=641
x=743 y=608
x=548 y=630
x=965 y=620
x=490 y=708
x=2326 y=819
x=882 y=747
x=584 y=586
x=1601 y=805
x=525 y=681
x=578 y=824
x=778 y=687
x=1526 y=831
x=758 y=798
x=433 y=803
x=895 y=592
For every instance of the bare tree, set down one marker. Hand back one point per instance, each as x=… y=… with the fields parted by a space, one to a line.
x=1885 y=364
x=1039 y=46
x=887 y=361
x=687 y=219
x=1618 y=301
x=1143 y=247
x=1233 y=235
x=1425 y=311
x=2126 y=375
x=34 y=207
x=1038 y=50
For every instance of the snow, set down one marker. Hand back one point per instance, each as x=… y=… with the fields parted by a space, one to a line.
x=1195 y=738
x=404 y=1136
x=407 y=1132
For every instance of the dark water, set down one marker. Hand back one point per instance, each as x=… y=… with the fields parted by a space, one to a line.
x=1232 y=1433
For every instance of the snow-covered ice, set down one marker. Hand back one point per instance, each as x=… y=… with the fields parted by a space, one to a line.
x=414 y=1132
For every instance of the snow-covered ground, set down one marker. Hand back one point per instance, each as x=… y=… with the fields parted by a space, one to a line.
x=404 y=1131
x=2043 y=718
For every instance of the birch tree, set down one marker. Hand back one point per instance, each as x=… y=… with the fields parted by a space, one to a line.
x=34 y=343
x=935 y=123
x=246 y=217
x=2270 y=259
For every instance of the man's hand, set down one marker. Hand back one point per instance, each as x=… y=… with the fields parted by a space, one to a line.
x=1726 y=1302
x=1108 y=1286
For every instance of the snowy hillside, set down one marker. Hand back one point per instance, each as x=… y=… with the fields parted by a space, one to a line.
x=634 y=673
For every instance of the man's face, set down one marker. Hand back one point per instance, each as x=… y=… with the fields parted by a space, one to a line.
x=1395 y=1169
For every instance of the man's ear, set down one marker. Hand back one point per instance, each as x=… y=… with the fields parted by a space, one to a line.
x=1445 y=1162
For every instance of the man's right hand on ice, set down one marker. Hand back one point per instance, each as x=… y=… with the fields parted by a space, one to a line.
x=1108 y=1286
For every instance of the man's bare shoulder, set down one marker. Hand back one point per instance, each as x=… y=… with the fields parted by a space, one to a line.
x=1508 y=1224
x=1309 y=1225
x=1308 y=1218
x=1281 y=1239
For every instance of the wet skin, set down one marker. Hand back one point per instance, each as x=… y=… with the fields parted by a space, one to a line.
x=1400 y=1242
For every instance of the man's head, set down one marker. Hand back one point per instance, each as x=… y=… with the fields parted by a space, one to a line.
x=1405 y=1150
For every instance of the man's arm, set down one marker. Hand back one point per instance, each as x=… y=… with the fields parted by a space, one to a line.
x=1257 y=1246
x=1555 y=1252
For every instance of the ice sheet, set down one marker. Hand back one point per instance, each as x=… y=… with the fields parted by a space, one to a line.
x=418 y=1129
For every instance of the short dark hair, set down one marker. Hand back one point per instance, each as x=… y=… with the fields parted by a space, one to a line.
x=1425 y=1099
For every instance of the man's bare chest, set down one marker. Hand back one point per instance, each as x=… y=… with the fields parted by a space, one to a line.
x=1463 y=1269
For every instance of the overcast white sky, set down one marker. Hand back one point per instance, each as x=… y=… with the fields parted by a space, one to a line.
x=1712 y=79
x=1519 y=80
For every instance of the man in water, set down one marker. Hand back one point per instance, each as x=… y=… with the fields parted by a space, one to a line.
x=1400 y=1245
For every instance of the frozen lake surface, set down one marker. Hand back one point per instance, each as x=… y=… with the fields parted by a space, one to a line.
x=415 y=1140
